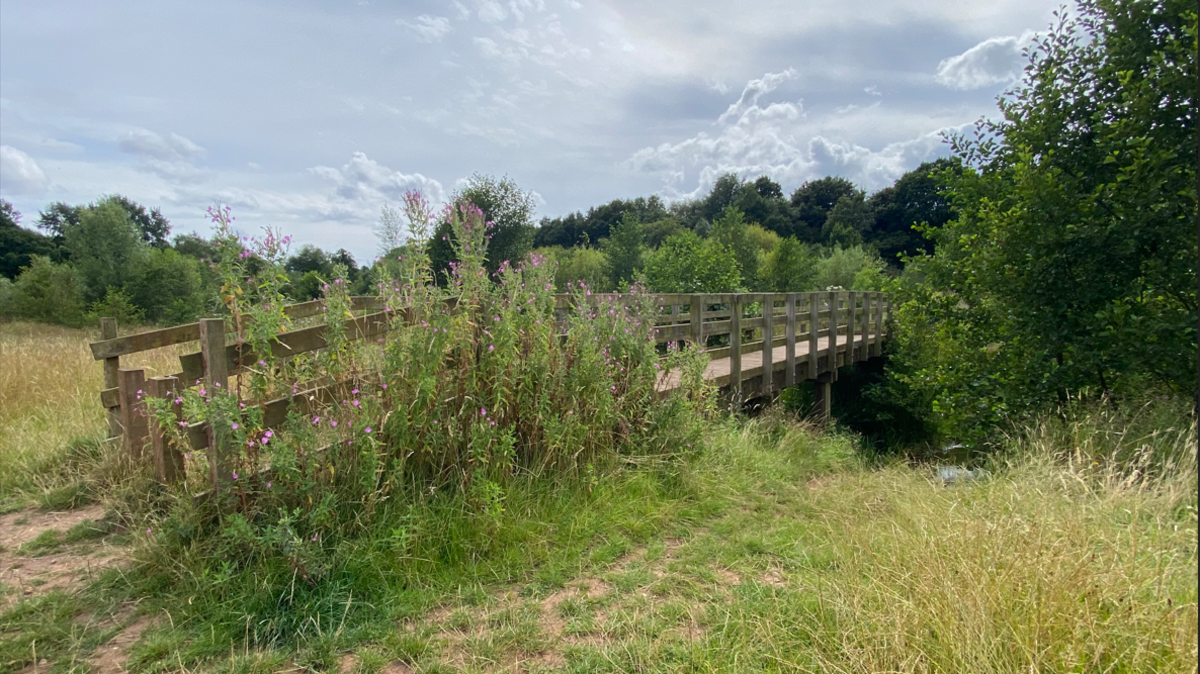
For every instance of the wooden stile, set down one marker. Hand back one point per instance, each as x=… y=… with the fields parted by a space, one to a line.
x=134 y=428
x=168 y=460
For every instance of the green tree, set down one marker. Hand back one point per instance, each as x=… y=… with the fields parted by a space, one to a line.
x=1071 y=267
x=167 y=287
x=845 y=267
x=625 y=248
x=789 y=268
x=106 y=247
x=915 y=199
x=848 y=221
x=580 y=263
x=732 y=230
x=49 y=293
x=685 y=263
x=507 y=208
x=811 y=203
x=18 y=245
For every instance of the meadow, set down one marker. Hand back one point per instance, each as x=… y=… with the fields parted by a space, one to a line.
x=778 y=547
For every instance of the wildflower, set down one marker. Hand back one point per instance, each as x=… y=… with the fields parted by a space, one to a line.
x=333 y=423
x=265 y=440
x=270 y=434
x=314 y=538
x=357 y=404
x=385 y=386
x=262 y=363
x=235 y=476
x=234 y=427
x=183 y=424
x=315 y=420
x=491 y=347
x=367 y=429
x=203 y=392
x=147 y=532
x=355 y=391
x=268 y=485
x=179 y=401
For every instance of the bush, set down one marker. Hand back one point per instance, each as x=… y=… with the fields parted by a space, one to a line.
x=116 y=304
x=167 y=287
x=688 y=264
x=460 y=397
x=48 y=292
x=841 y=268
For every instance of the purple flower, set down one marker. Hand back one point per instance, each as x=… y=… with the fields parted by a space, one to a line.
x=268 y=485
x=333 y=423
x=235 y=476
x=265 y=440
x=234 y=427
x=368 y=429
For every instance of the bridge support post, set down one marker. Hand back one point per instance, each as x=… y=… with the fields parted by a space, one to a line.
x=823 y=397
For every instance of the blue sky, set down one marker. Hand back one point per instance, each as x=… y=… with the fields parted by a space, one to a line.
x=310 y=115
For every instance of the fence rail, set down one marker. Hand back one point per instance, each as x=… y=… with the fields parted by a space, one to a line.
x=757 y=343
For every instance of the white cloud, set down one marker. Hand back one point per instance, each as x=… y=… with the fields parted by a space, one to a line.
x=996 y=60
x=428 y=28
x=149 y=145
x=491 y=11
x=753 y=91
x=19 y=173
x=368 y=183
x=779 y=140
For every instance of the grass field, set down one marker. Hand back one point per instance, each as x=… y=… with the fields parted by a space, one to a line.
x=778 y=548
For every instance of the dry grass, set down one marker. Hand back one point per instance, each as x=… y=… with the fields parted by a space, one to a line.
x=49 y=397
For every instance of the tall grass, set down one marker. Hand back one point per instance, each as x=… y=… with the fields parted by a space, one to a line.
x=49 y=400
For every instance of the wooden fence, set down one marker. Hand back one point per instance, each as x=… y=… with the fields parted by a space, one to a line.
x=818 y=332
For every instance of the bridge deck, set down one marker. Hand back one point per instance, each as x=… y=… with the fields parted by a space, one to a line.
x=719 y=370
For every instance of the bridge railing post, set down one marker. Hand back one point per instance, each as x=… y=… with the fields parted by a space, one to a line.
x=698 y=320
x=831 y=359
x=851 y=325
x=879 y=324
x=735 y=347
x=768 y=345
x=789 y=333
x=814 y=329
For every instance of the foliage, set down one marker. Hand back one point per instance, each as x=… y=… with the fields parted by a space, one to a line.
x=790 y=268
x=105 y=248
x=506 y=206
x=844 y=267
x=116 y=304
x=471 y=388
x=1070 y=269
x=18 y=245
x=580 y=229
x=625 y=248
x=732 y=231
x=812 y=202
x=688 y=264
x=914 y=199
x=168 y=288
x=580 y=264
x=48 y=292
x=848 y=221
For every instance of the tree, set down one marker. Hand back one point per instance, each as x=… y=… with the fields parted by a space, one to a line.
x=915 y=199
x=731 y=230
x=811 y=203
x=1070 y=269
x=789 y=268
x=848 y=269
x=509 y=209
x=625 y=247
x=153 y=228
x=18 y=245
x=167 y=287
x=58 y=218
x=106 y=247
x=688 y=264
x=49 y=293
x=849 y=219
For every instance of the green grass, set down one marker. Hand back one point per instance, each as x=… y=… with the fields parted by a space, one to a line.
x=776 y=549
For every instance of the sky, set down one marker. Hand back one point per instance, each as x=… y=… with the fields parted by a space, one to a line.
x=310 y=116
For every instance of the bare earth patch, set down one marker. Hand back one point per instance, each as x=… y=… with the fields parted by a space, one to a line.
x=67 y=569
x=112 y=656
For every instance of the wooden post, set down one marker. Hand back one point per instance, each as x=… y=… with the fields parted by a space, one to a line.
x=789 y=332
x=675 y=321
x=833 y=331
x=216 y=371
x=698 y=320
x=735 y=347
x=823 y=396
x=814 y=329
x=135 y=430
x=879 y=324
x=168 y=460
x=851 y=327
x=108 y=330
x=866 y=326
x=768 y=345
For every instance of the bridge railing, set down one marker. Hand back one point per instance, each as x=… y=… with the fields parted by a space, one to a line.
x=818 y=332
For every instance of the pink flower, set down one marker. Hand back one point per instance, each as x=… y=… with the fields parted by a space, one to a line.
x=491 y=347
x=268 y=485
x=385 y=386
x=333 y=423
x=234 y=427
x=316 y=419
x=265 y=440
x=482 y=412
x=203 y=392
x=368 y=429
x=235 y=476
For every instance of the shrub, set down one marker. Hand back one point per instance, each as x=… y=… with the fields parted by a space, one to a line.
x=472 y=385
x=116 y=304
x=841 y=268
x=48 y=292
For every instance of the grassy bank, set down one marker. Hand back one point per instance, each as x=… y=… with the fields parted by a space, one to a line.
x=774 y=550
x=774 y=547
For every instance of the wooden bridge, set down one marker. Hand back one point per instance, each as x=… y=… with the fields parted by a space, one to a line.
x=757 y=344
